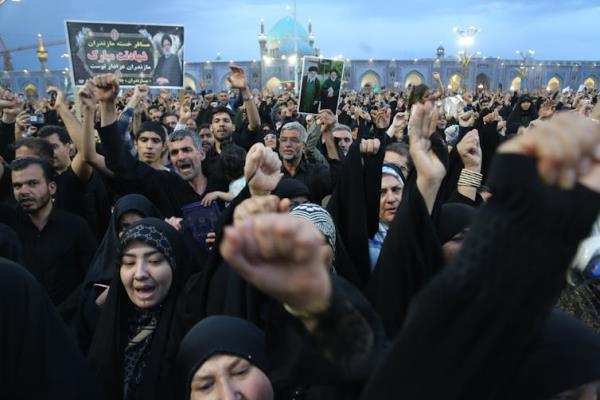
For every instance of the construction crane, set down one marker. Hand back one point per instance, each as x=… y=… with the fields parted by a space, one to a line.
x=40 y=46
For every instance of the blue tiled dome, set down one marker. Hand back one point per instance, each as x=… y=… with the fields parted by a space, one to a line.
x=281 y=37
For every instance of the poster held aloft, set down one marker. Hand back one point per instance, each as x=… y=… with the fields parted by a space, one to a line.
x=138 y=54
x=321 y=85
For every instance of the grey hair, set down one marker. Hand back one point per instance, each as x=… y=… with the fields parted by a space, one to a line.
x=296 y=126
x=342 y=127
x=181 y=134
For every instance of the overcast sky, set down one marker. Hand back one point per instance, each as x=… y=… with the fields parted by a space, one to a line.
x=357 y=29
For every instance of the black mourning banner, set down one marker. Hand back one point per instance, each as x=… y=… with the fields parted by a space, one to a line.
x=139 y=54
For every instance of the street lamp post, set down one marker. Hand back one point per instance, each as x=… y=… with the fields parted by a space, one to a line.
x=466 y=38
x=295 y=49
x=524 y=67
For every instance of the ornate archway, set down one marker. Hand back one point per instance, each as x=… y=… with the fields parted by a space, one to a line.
x=515 y=84
x=455 y=82
x=415 y=78
x=554 y=83
x=273 y=85
x=483 y=80
x=30 y=90
x=189 y=82
x=591 y=82
x=370 y=78
x=225 y=85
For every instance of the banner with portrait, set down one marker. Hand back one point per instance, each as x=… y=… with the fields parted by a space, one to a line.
x=138 y=54
x=321 y=85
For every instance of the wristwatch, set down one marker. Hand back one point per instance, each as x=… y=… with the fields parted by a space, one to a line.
x=247 y=98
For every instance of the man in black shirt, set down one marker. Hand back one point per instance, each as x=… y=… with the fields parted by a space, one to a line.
x=317 y=177
x=167 y=190
x=223 y=129
x=57 y=246
x=78 y=193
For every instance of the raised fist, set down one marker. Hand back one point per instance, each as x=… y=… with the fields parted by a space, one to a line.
x=107 y=87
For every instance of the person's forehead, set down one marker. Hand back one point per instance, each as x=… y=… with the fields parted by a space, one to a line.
x=25 y=151
x=149 y=135
x=205 y=131
x=341 y=133
x=32 y=171
x=216 y=363
x=53 y=138
x=137 y=247
x=291 y=132
x=171 y=117
x=221 y=116
x=389 y=181
x=185 y=142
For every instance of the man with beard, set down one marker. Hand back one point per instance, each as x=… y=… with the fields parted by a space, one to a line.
x=223 y=129
x=342 y=135
x=206 y=136
x=317 y=177
x=57 y=246
x=309 y=94
x=155 y=114
x=168 y=69
x=79 y=191
x=170 y=121
x=222 y=125
x=168 y=191
x=330 y=92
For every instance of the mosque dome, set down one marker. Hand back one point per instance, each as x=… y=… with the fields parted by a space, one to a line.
x=280 y=38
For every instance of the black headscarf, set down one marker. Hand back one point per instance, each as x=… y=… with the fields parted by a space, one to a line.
x=219 y=334
x=454 y=218
x=102 y=265
x=565 y=358
x=290 y=188
x=38 y=357
x=519 y=117
x=119 y=316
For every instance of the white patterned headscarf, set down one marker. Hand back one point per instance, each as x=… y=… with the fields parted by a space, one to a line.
x=320 y=218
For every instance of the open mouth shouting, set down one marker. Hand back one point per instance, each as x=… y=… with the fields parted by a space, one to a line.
x=184 y=167
x=145 y=292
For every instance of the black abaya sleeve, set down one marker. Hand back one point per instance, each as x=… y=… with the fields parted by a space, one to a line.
x=38 y=357
x=354 y=208
x=336 y=359
x=468 y=333
x=489 y=140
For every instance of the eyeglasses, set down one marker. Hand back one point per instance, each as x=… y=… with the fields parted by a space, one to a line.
x=344 y=139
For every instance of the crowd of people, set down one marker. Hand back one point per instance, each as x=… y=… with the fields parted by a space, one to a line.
x=414 y=244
